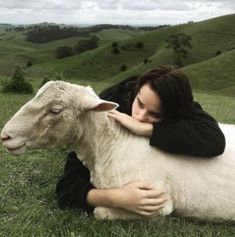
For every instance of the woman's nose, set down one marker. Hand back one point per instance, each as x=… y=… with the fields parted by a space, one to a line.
x=142 y=117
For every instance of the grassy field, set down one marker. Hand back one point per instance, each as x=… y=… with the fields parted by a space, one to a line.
x=27 y=183
x=27 y=202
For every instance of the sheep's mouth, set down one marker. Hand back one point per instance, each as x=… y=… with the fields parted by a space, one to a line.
x=16 y=150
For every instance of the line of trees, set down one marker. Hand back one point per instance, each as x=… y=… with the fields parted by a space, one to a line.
x=80 y=47
x=44 y=34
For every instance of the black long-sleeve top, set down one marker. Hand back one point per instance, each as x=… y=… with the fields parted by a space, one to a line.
x=196 y=134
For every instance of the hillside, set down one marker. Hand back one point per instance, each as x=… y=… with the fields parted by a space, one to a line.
x=208 y=37
x=216 y=74
x=15 y=50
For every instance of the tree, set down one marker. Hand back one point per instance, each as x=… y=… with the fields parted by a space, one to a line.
x=218 y=52
x=179 y=42
x=64 y=51
x=146 y=60
x=114 y=44
x=17 y=83
x=115 y=50
x=84 y=45
x=139 y=45
x=123 y=68
x=29 y=64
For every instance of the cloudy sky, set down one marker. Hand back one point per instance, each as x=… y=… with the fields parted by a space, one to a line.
x=132 y=12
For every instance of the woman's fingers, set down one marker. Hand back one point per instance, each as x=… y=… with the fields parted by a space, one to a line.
x=116 y=115
x=113 y=113
x=150 y=210
x=149 y=187
x=142 y=197
x=143 y=185
x=154 y=193
x=154 y=202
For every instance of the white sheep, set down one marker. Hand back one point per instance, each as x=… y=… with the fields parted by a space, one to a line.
x=66 y=114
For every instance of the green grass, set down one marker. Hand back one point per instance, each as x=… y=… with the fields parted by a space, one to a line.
x=27 y=183
x=27 y=202
x=216 y=74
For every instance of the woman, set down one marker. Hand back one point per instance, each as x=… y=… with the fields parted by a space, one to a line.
x=158 y=104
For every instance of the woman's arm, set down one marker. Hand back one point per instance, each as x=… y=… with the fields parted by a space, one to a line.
x=196 y=135
x=138 y=197
x=135 y=126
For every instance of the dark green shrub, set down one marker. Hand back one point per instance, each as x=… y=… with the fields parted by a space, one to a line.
x=85 y=45
x=218 y=52
x=44 y=81
x=17 y=84
x=139 y=45
x=115 y=51
x=123 y=68
x=146 y=60
x=114 y=44
x=64 y=52
x=29 y=64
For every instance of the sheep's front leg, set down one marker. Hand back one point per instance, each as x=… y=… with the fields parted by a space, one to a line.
x=114 y=214
x=167 y=208
x=119 y=214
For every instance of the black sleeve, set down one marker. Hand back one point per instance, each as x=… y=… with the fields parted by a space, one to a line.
x=74 y=185
x=197 y=135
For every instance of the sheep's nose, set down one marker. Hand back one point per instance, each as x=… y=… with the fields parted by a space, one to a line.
x=4 y=137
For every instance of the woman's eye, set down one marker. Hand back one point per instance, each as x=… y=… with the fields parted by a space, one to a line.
x=140 y=104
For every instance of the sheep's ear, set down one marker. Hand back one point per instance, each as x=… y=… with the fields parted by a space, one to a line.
x=98 y=105
x=106 y=106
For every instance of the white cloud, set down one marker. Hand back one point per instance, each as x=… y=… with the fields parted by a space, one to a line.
x=113 y=11
x=151 y=5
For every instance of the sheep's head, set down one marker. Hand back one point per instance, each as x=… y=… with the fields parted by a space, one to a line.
x=51 y=118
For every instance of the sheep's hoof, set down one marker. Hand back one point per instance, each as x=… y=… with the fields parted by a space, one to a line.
x=114 y=214
x=103 y=213
x=167 y=209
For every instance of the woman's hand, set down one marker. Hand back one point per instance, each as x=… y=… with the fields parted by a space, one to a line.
x=139 y=197
x=135 y=126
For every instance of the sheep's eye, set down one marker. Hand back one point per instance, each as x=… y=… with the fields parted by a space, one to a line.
x=56 y=110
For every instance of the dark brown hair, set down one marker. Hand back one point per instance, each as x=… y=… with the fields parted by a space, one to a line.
x=173 y=88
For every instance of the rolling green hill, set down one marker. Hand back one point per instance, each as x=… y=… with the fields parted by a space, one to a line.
x=205 y=70
x=216 y=74
x=207 y=38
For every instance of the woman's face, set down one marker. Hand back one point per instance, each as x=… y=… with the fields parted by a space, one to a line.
x=147 y=106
